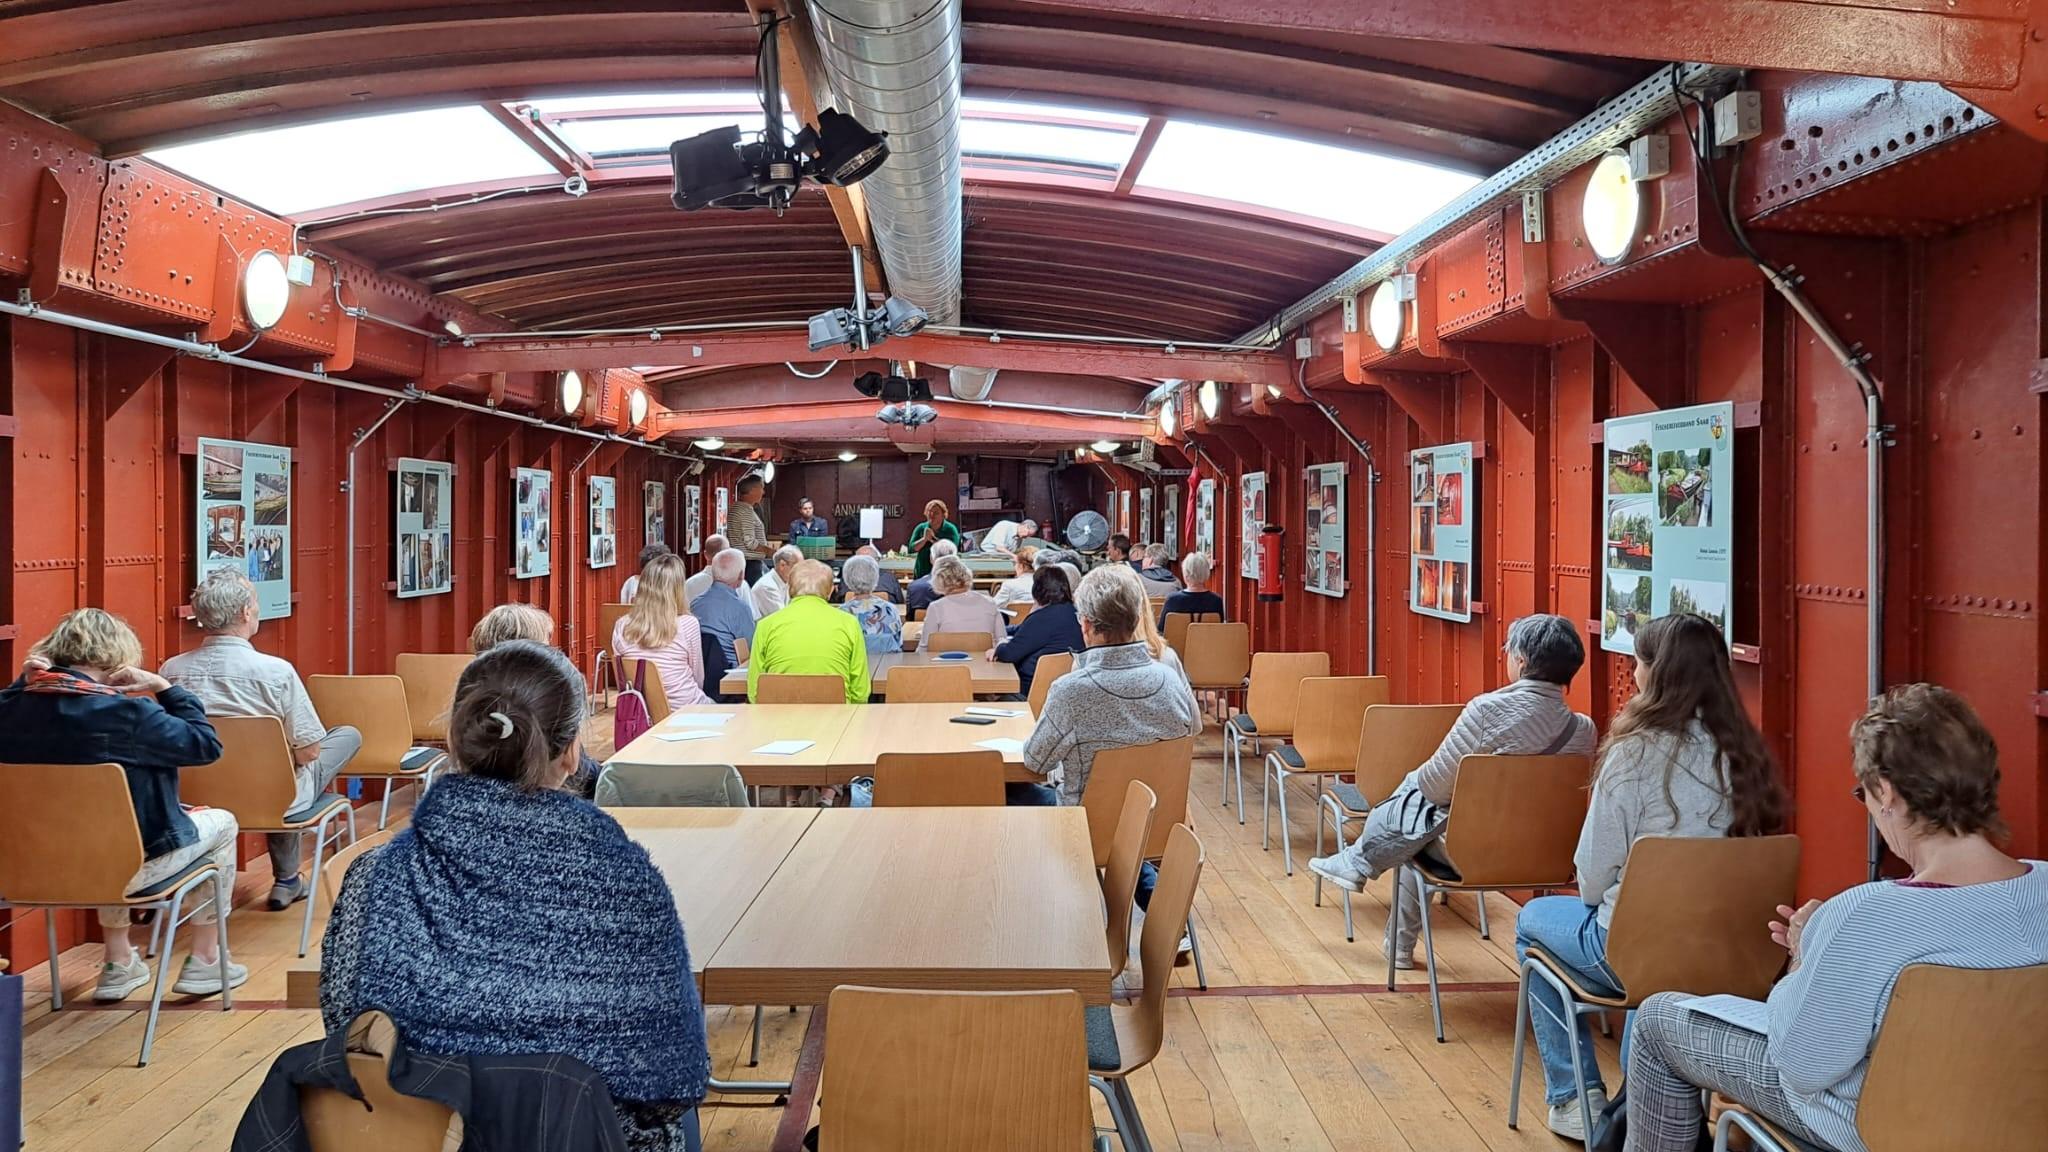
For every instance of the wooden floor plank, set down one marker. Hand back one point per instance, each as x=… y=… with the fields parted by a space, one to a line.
x=1199 y=1103
x=1404 y=1089
x=1351 y=1116
x=1267 y=1096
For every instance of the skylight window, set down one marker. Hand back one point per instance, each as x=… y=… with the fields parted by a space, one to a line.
x=1350 y=187
x=292 y=171
x=1067 y=144
x=600 y=138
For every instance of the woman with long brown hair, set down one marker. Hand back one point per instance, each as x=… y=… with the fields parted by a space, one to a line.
x=1682 y=759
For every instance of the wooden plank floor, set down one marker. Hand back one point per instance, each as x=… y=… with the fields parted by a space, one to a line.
x=1296 y=1045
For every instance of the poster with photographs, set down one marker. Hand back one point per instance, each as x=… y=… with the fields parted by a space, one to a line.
x=604 y=521
x=693 y=519
x=533 y=491
x=1169 y=523
x=1251 y=503
x=1205 y=519
x=1323 y=565
x=653 y=513
x=1440 y=531
x=1145 y=535
x=724 y=504
x=1123 y=511
x=245 y=518
x=420 y=561
x=1669 y=544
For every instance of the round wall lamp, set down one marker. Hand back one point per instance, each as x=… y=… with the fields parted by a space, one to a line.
x=709 y=443
x=848 y=456
x=1212 y=398
x=1106 y=447
x=1612 y=208
x=1169 y=417
x=636 y=407
x=569 y=392
x=266 y=290
x=1383 y=316
x=768 y=472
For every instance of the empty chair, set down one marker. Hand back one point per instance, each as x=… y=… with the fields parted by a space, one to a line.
x=1139 y=1029
x=939 y=779
x=430 y=691
x=786 y=688
x=644 y=679
x=1331 y=712
x=1051 y=667
x=1120 y=872
x=1268 y=708
x=254 y=780
x=1218 y=657
x=375 y=706
x=1392 y=741
x=627 y=785
x=958 y=642
x=929 y=684
x=385 y=1118
x=1176 y=629
x=603 y=673
x=1164 y=767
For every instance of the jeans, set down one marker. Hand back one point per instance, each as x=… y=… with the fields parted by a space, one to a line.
x=337 y=748
x=1570 y=933
x=1023 y=794
x=1148 y=879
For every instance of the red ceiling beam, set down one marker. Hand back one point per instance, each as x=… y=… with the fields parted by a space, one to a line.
x=1058 y=425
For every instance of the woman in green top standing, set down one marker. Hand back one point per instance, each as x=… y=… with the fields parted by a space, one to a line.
x=935 y=528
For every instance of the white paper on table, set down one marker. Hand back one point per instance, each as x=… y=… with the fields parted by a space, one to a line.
x=700 y=719
x=688 y=734
x=783 y=747
x=1753 y=1015
x=983 y=710
x=739 y=669
x=1003 y=744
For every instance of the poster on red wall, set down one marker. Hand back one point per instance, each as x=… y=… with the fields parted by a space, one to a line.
x=1251 y=506
x=1205 y=519
x=653 y=513
x=693 y=519
x=1323 y=571
x=1169 y=523
x=1145 y=535
x=1440 y=531
x=724 y=502
x=533 y=505
x=1669 y=543
x=604 y=522
x=245 y=517
x=419 y=556
x=1123 y=511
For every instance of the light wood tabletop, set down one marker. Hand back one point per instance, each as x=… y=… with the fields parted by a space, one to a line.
x=752 y=726
x=879 y=728
x=957 y=898
x=991 y=677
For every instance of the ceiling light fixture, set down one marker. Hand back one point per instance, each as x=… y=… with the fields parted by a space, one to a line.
x=1105 y=446
x=848 y=456
x=709 y=443
x=768 y=472
x=1384 y=317
x=1212 y=399
x=1273 y=392
x=571 y=392
x=1169 y=417
x=1611 y=208
x=452 y=327
x=636 y=407
x=266 y=290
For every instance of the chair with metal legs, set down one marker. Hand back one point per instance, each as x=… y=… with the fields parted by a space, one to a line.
x=1394 y=739
x=1217 y=658
x=1269 y=711
x=1331 y=710
x=430 y=679
x=1139 y=1029
x=1164 y=767
x=376 y=707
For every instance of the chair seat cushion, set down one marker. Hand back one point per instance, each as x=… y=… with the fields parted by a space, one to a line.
x=1103 y=1053
x=1244 y=724
x=170 y=883
x=1291 y=757
x=1571 y=980
x=320 y=806
x=1349 y=798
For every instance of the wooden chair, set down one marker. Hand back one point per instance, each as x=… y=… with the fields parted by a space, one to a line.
x=1120 y=874
x=384 y=1119
x=602 y=671
x=939 y=779
x=1514 y=825
x=962 y=1071
x=627 y=785
x=375 y=706
x=254 y=780
x=1176 y=629
x=430 y=691
x=1163 y=767
x=1269 y=709
x=1050 y=667
x=1326 y=729
x=1021 y=611
x=1686 y=920
x=647 y=685
x=929 y=684
x=784 y=688
x=975 y=642
x=1218 y=657
x=1140 y=1027
x=1393 y=741
x=72 y=842
x=1956 y=1066
x=742 y=648
x=339 y=864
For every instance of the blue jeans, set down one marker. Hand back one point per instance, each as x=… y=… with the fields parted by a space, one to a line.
x=1570 y=932
x=1024 y=794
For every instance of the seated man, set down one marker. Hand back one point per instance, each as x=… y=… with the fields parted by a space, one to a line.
x=1118 y=551
x=920 y=594
x=1195 y=599
x=231 y=678
x=648 y=555
x=1007 y=535
x=771 y=591
x=810 y=637
x=701 y=578
x=808 y=522
x=725 y=613
x=1158 y=577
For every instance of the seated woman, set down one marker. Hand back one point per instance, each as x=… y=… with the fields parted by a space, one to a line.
x=529 y=622
x=1527 y=718
x=881 y=622
x=1195 y=599
x=512 y=917
x=959 y=607
x=1017 y=589
x=1157 y=575
x=1682 y=759
x=83 y=698
x=1051 y=627
x=1927 y=774
x=661 y=631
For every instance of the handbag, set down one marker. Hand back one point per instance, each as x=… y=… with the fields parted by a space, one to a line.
x=630 y=717
x=1610 y=1127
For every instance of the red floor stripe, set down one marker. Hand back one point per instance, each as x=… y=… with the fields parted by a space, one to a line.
x=1248 y=990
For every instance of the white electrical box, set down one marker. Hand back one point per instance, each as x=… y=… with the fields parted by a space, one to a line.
x=1738 y=116
x=1649 y=157
x=299 y=270
x=1304 y=347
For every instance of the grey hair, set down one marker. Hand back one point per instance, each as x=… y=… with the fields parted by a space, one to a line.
x=1027 y=526
x=1195 y=568
x=1046 y=558
x=221 y=598
x=860 y=574
x=728 y=565
x=1549 y=646
x=1113 y=605
x=951 y=575
x=1156 y=554
x=944 y=548
x=788 y=552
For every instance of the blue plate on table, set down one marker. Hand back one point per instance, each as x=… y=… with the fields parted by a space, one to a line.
x=952 y=655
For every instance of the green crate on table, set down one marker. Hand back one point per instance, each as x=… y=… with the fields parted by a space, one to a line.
x=817 y=547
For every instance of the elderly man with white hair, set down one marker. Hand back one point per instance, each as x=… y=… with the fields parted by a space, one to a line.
x=231 y=678
x=701 y=578
x=920 y=594
x=725 y=616
x=1195 y=599
x=1007 y=534
x=771 y=591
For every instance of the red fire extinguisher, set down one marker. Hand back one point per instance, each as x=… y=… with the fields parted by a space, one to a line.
x=1269 y=564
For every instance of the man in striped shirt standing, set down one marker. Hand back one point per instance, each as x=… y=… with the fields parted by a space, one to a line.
x=743 y=526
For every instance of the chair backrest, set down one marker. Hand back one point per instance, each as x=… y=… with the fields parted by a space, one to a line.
x=337 y=866
x=1395 y=740
x=1218 y=655
x=741 y=647
x=253 y=777
x=962 y=1071
x=384 y=1119
x=608 y=617
x=1050 y=667
x=623 y=785
x=375 y=707
x=787 y=688
x=70 y=833
x=1515 y=819
x=430 y=689
x=1686 y=919
x=648 y=685
x=957 y=642
x=1176 y=630
x=929 y=684
x=1120 y=874
x=1957 y=1063
x=1276 y=676
x=1164 y=767
x=1021 y=611
x=1332 y=712
x=939 y=779
x=1180 y=872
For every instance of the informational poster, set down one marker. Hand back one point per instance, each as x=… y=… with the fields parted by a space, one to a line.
x=1205 y=518
x=245 y=518
x=693 y=519
x=533 y=492
x=1123 y=511
x=724 y=503
x=426 y=489
x=1145 y=533
x=604 y=521
x=1323 y=567
x=654 y=513
x=1251 y=504
x=1669 y=544
x=1169 y=522
x=1440 y=531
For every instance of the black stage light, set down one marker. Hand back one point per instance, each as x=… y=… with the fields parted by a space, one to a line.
x=844 y=150
x=709 y=168
x=918 y=388
x=902 y=317
x=868 y=384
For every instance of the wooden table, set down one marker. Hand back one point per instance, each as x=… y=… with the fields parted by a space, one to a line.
x=977 y=899
x=991 y=677
x=848 y=739
x=879 y=728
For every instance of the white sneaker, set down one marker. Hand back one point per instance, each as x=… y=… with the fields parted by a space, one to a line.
x=1567 y=1121
x=196 y=979
x=1338 y=870
x=117 y=981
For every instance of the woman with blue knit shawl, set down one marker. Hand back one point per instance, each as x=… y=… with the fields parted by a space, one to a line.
x=514 y=917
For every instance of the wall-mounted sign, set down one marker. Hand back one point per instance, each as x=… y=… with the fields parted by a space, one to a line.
x=653 y=513
x=604 y=521
x=245 y=518
x=693 y=519
x=1251 y=507
x=1123 y=511
x=1440 y=531
x=1145 y=535
x=724 y=503
x=1169 y=522
x=419 y=557
x=1669 y=544
x=533 y=503
x=1205 y=518
x=1323 y=571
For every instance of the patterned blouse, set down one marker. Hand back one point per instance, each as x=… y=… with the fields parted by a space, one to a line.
x=881 y=622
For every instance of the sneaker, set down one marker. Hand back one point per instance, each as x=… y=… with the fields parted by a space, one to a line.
x=1567 y=1121
x=1338 y=870
x=286 y=893
x=117 y=981
x=1403 y=961
x=1184 y=952
x=196 y=979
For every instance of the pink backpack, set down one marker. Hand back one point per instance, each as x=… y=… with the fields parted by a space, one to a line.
x=630 y=718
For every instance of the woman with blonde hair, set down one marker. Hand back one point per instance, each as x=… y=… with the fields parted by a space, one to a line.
x=959 y=607
x=660 y=630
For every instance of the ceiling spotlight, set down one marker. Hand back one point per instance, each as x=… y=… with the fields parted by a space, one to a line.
x=768 y=472
x=266 y=290
x=859 y=331
x=636 y=407
x=1611 y=208
x=571 y=392
x=902 y=317
x=709 y=443
x=842 y=150
x=452 y=327
x=848 y=456
x=1169 y=418
x=1272 y=391
x=1212 y=398
x=1105 y=446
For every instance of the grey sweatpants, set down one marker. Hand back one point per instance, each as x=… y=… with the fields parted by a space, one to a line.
x=337 y=748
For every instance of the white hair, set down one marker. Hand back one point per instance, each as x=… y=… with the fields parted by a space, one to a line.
x=1194 y=568
x=943 y=549
x=860 y=573
x=867 y=550
x=728 y=566
x=221 y=599
x=1114 y=605
x=1027 y=526
x=787 y=554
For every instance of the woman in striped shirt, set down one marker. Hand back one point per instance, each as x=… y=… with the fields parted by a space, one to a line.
x=1927 y=772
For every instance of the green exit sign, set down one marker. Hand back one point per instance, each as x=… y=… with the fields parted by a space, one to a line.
x=932 y=469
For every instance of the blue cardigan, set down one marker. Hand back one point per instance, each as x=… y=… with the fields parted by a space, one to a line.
x=1051 y=629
